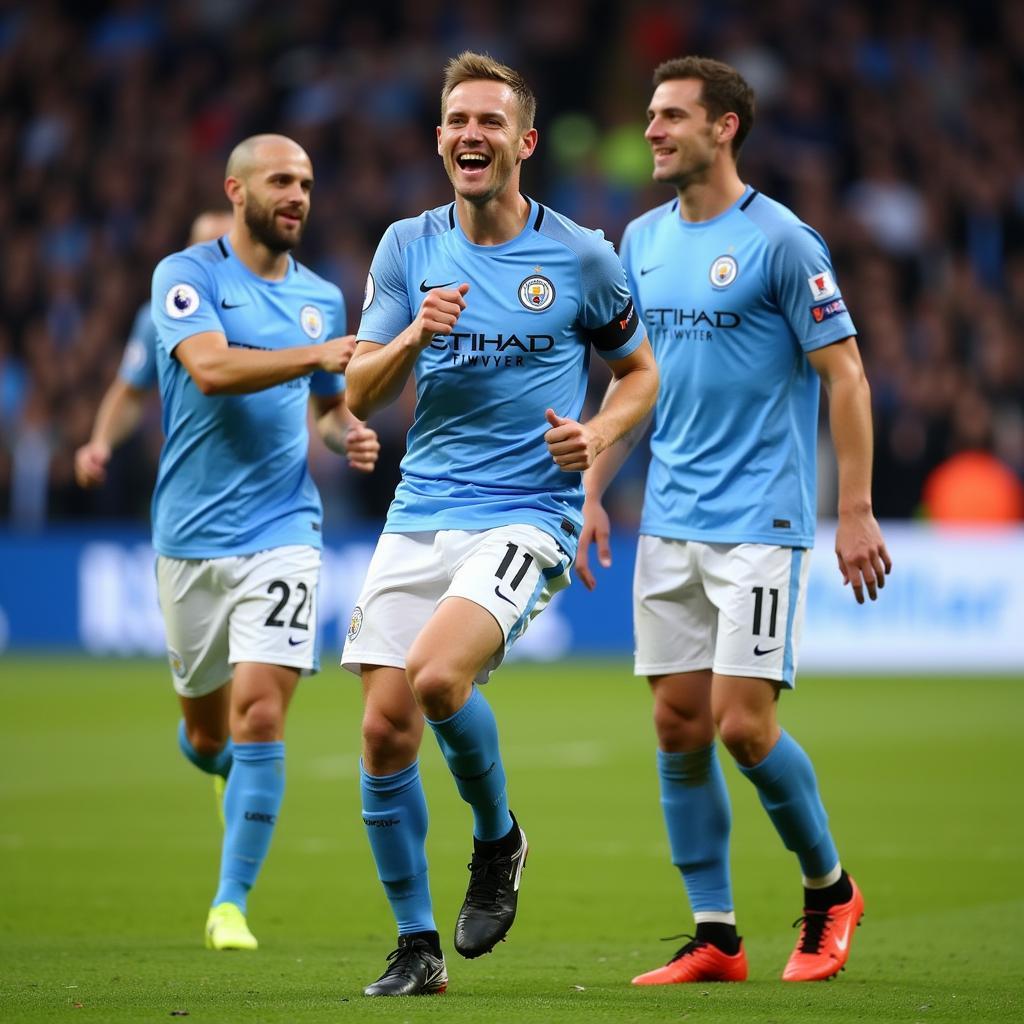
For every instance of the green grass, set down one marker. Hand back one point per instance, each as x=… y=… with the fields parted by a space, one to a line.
x=108 y=856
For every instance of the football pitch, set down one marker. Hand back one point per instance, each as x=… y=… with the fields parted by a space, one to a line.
x=109 y=841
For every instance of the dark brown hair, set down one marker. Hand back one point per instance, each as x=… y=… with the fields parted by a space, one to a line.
x=724 y=91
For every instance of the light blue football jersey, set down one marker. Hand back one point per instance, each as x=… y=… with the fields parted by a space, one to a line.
x=476 y=456
x=234 y=475
x=138 y=364
x=732 y=305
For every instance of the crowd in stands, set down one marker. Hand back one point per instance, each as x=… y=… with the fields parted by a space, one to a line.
x=892 y=129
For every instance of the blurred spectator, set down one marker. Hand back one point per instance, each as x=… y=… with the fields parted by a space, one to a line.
x=889 y=128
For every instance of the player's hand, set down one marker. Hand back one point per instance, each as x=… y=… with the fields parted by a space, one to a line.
x=863 y=559
x=439 y=313
x=572 y=445
x=597 y=528
x=362 y=447
x=91 y=464
x=342 y=351
x=336 y=353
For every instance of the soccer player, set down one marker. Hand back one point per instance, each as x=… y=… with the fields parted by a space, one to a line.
x=246 y=338
x=121 y=406
x=494 y=302
x=745 y=317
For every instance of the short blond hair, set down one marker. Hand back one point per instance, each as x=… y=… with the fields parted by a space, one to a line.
x=471 y=67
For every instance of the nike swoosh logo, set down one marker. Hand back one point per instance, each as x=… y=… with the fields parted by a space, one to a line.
x=295 y=643
x=424 y=287
x=644 y=271
x=771 y=650
x=504 y=598
x=842 y=943
x=224 y=304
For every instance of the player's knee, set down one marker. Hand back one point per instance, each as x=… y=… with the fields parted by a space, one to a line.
x=387 y=739
x=746 y=736
x=682 y=728
x=433 y=686
x=260 y=722
x=205 y=743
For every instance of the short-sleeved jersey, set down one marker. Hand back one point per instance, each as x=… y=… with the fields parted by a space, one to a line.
x=732 y=305
x=234 y=475
x=476 y=456
x=138 y=364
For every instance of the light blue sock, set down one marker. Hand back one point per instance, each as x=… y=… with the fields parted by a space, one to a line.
x=395 y=816
x=698 y=817
x=252 y=800
x=216 y=764
x=788 y=790
x=469 y=742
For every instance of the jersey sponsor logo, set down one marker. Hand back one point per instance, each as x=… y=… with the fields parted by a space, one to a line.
x=181 y=300
x=536 y=293
x=768 y=650
x=723 y=272
x=688 y=324
x=828 y=310
x=177 y=663
x=224 y=304
x=501 y=350
x=424 y=287
x=821 y=284
x=355 y=623
x=371 y=290
x=312 y=321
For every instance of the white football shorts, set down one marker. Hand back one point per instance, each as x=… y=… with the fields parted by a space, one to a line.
x=737 y=609
x=512 y=571
x=220 y=611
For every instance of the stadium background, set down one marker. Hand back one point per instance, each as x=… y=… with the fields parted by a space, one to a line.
x=894 y=129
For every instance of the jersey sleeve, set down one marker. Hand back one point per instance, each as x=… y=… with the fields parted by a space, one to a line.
x=805 y=290
x=387 y=310
x=183 y=301
x=138 y=364
x=321 y=382
x=626 y=255
x=608 y=318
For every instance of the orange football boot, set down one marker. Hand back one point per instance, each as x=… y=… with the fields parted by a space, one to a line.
x=698 y=961
x=824 y=944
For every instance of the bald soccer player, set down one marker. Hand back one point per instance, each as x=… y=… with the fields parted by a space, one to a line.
x=246 y=338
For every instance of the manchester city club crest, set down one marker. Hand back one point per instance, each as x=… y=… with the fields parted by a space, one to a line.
x=355 y=623
x=536 y=293
x=723 y=272
x=177 y=663
x=312 y=321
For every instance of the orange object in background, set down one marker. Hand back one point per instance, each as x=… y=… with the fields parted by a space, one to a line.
x=974 y=487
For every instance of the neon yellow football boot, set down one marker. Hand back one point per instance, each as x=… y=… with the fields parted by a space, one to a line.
x=226 y=929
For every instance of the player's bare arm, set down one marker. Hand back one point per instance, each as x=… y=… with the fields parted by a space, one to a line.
x=863 y=559
x=219 y=369
x=116 y=419
x=378 y=373
x=344 y=434
x=575 y=446
x=596 y=525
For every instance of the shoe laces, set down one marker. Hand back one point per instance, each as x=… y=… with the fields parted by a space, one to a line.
x=691 y=947
x=814 y=925
x=403 y=960
x=486 y=875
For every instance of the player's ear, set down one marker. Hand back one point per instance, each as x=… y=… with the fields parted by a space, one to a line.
x=234 y=189
x=527 y=144
x=439 y=153
x=728 y=125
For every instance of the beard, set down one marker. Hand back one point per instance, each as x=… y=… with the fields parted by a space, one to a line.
x=263 y=227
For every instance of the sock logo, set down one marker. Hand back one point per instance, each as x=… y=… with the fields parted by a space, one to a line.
x=381 y=822
x=266 y=819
